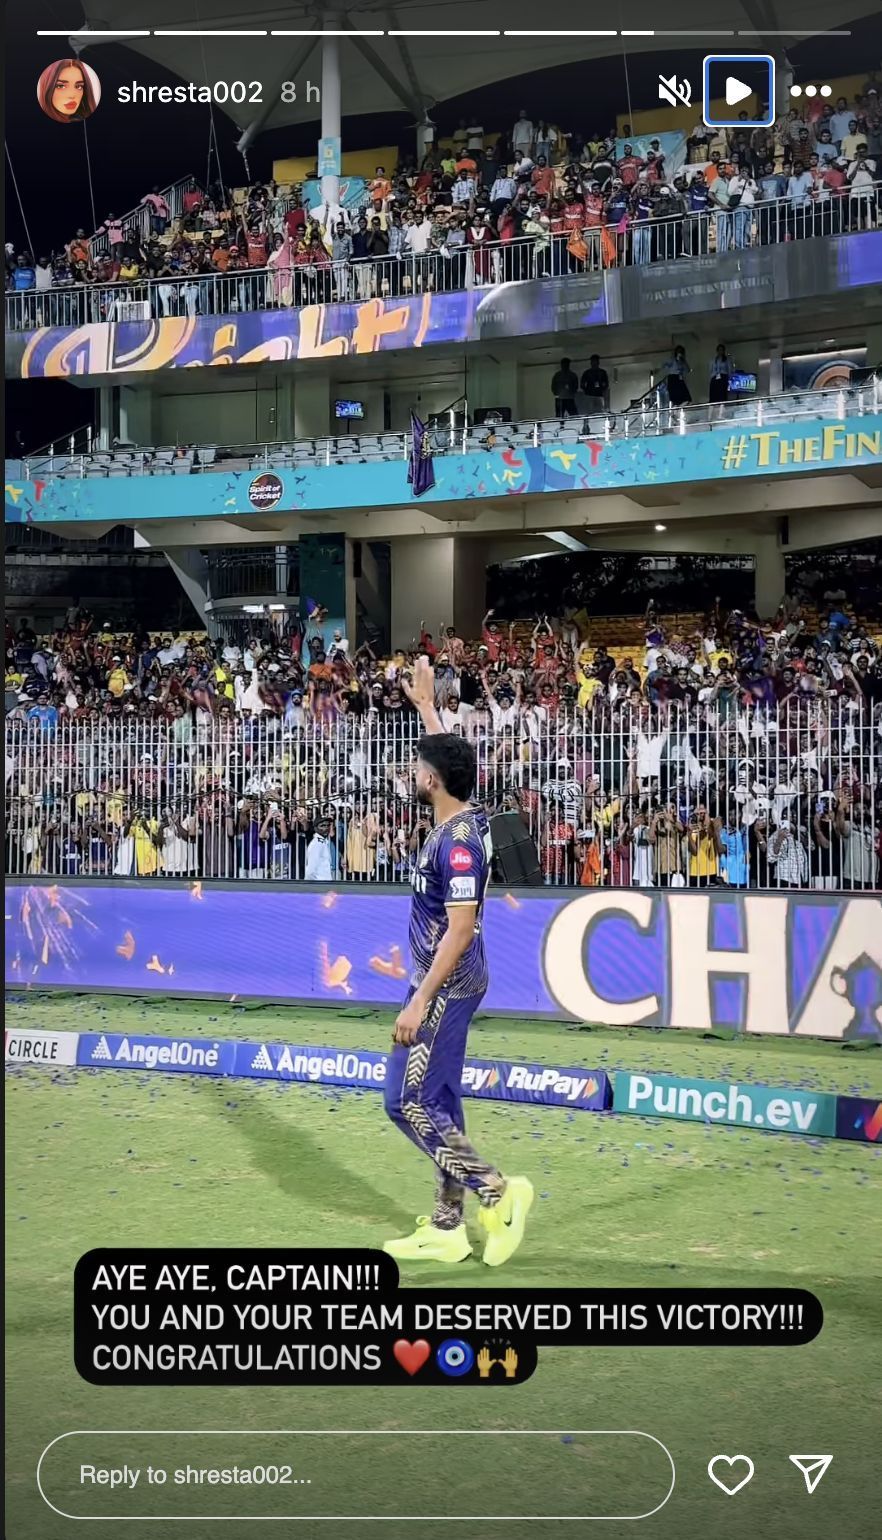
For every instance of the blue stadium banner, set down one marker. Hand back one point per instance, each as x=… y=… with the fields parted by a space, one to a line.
x=329 y=156
x=490 y=475
x=857 y=1117
x=173 y=1055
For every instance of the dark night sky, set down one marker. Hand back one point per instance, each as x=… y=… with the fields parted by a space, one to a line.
x=134 y=147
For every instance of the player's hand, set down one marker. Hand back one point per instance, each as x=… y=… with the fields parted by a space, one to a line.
x=485 y=1363
x=421 y=689
x=409 y=1021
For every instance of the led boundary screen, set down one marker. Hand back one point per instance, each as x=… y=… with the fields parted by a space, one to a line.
x=779 y=964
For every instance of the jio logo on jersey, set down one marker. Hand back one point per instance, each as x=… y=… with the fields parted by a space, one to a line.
x=460 y=859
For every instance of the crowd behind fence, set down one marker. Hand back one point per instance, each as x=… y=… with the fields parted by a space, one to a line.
x=788 y=798
x=442 y=268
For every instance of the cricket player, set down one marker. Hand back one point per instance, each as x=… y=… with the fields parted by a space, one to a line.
x=448 y=983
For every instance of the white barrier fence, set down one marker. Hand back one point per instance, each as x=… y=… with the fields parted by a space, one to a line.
x=644 y=795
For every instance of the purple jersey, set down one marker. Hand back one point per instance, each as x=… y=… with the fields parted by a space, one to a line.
x=453 y=868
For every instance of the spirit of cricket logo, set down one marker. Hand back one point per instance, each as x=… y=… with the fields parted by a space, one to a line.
x=715 y=1101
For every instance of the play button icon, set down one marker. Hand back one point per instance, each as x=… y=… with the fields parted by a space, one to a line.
x=736 y=91
x=739 y=90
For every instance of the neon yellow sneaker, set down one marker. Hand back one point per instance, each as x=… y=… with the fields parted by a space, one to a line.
x=506 y=1220
x=429 y=1244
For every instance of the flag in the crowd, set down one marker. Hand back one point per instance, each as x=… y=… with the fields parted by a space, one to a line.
x=420 y=468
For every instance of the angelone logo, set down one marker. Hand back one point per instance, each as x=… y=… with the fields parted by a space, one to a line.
x=265 y=490
x=460 y=859
x=287 y=1062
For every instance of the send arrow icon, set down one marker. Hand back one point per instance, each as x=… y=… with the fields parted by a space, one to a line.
x=812 y=1466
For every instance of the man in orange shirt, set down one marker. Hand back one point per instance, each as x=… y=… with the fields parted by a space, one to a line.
x=542 y=177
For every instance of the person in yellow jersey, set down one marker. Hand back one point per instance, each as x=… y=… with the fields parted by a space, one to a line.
x=144 y=830
x=117 y=679
x=588 y=681
x=704 y=846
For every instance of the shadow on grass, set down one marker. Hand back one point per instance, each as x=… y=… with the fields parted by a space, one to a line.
x=300 y=1166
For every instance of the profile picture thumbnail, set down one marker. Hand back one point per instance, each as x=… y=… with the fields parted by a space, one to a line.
x=68 y=91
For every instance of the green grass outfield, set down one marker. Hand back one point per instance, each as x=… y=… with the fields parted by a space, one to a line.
x=110 y=1157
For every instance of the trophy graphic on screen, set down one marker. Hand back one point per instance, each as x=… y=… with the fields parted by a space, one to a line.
x=861 y=985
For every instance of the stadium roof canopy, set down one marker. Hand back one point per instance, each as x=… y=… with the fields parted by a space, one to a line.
x=387 y=73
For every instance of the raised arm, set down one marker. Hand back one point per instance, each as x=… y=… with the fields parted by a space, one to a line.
x=421 y=694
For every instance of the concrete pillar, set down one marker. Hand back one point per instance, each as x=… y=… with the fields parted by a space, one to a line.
x=331 y=105
x=437 y=582
x=469 y=587
x=312 y=408
x=106 y=429
x=769 y=575
x=492 y=382
x=191 y=570
x=135 y=415
x=422 y=587
x=775 y=371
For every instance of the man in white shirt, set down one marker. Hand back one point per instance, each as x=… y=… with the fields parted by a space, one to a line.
x=455 y=714
x=321 y=854
x=417 y=240
x=522 y=135
x=860 y=178
x=418 y=235
x=742 y=198
x=463 y=190
x=840 y=123
x=339 y=647
x=502 y=192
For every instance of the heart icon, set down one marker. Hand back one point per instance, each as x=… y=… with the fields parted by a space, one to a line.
x=411 y=1355
x=730 y=1460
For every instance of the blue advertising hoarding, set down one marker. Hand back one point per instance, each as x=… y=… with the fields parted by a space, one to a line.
x=799 y=964
x=592 y=465
x=857 y=1117
x=780 y=1109
x=585 y=1090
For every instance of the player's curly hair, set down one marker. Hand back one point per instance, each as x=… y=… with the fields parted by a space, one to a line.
x=453 y=759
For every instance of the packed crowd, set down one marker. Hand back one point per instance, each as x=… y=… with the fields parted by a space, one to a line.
x=743 y=754
x=533 y=202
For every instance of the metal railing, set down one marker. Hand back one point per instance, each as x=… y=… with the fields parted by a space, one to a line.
x=653 y=414
x=137 y=225
x=521 y=260
x=639 y=796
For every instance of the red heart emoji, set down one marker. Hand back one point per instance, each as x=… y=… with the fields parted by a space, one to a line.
x=411 y=1355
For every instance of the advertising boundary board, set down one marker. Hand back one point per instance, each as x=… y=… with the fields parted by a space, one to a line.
x=576 y=1088
x=780 y=964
